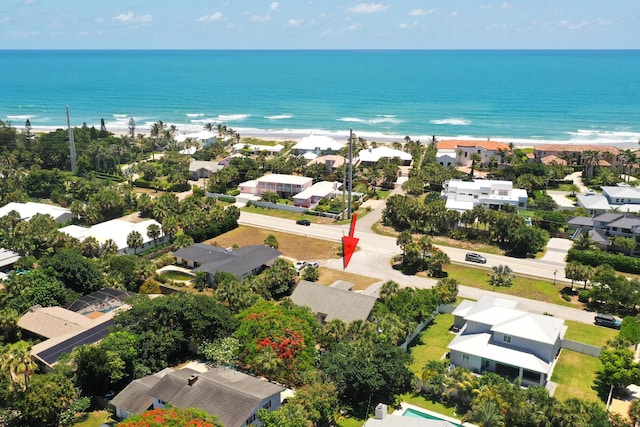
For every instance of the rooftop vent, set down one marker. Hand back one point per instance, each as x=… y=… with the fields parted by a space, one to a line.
x=192 y=379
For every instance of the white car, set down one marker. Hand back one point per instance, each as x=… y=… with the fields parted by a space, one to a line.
x=299 y=265
x=313 y=264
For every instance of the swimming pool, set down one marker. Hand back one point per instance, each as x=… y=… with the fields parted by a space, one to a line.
x=413 y=413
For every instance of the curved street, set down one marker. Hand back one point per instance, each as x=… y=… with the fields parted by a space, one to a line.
x=375 y=251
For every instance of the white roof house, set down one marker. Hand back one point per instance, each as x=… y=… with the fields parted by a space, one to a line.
x=465 y=195
x=318 y=144
x=593 y=203
x=204 y=136
x=373 y=155
x=30 y=209
x=270 y=149
x=498 y=337
x=116 y=229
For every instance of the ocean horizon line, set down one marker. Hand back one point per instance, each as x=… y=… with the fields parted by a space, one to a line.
x=141 y=49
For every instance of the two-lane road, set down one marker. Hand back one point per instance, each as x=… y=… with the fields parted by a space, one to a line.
x=375 y=251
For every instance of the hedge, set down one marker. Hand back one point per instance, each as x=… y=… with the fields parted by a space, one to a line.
x=622 y=263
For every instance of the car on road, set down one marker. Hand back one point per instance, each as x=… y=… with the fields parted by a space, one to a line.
x=299 y=265
x=607 y=320
x=474 y=257
x=303 y=222
x=313 y=264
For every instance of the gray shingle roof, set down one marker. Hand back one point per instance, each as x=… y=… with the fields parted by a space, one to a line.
x=230 y=395
x=581 y=221
x=335 y=303
x=625 y=222
x=238 y=262
x=135 y=397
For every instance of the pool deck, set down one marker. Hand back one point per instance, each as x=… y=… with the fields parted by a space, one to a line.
x=404 y=406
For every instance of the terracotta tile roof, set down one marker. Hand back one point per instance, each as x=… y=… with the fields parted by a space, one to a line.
x=553 y=159
x=487 y=145
x=572 y=148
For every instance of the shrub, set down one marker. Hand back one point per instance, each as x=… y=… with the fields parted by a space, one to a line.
x=583 y=296
x=566 y=297
x=233 y=192
x=622 y=263
x=230 y=199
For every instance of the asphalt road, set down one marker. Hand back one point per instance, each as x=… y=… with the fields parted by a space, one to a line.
x=375 y=251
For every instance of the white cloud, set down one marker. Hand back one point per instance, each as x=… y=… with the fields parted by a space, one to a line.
x=296 y=22
x=354 y=27
x=422 y=12
x=211 y=18
x=405 y=26
x=454 y=13
x=273 y=7
x=130 y=18
x=573 y=25
x=368 y=8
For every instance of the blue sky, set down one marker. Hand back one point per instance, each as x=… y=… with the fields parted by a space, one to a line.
x=319 y=24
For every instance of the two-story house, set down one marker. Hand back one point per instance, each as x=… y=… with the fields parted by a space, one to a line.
x=497 y=337
x=465 y=195
x=464 y=149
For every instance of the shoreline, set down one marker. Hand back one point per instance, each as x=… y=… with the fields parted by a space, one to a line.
x=121 y=129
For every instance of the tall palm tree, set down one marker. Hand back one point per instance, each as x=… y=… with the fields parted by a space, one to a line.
x=590 y=159
x=153 y=232
x=18 y=362
x=134 y=240
x=475 y=159
x=486 y=414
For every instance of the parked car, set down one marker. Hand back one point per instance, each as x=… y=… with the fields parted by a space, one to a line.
x=299 y=265
x=303 y=222
x=474 y=257
x=313 y=264
x=607 y=320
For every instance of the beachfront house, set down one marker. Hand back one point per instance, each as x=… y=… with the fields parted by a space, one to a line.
x=446 y=157
x=496 y=336
x=371 y=156
x=249 y=260
x=269 y=150
x=572 y=153
x=487 y=150
x=331 y=161
x=333 y=302
x=465 y=195
x=230 y=395
x=28 y=210
x=601 y=228
x=316 y=145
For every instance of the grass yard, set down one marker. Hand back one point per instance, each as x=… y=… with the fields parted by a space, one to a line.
x=526 y=287
x=420 y=401
x=93 y=419
x=589 y=334
x=575 y=374
x=432 y=342
x=291 y=245
x=328 y=276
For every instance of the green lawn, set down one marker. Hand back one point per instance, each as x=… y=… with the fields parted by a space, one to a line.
x=526 y=287
x=575 y=374
x=589 y=334
x=350 y=422
x=432 y=342
x=422 y=402
x=93 y=419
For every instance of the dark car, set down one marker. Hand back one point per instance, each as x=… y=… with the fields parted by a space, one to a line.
x=607 y=320
x=474 y=257
x=303 y=222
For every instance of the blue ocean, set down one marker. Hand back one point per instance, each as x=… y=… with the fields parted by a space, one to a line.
x=511 y=96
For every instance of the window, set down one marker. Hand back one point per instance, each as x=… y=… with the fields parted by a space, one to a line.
x=251 y=419
x=506 y=338
x=465 y=357
x=465 y=154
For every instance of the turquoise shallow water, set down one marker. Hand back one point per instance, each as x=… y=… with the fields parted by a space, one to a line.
x=569 y=96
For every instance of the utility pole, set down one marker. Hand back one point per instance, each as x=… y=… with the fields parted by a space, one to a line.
x=350 y=172
x=72 y=146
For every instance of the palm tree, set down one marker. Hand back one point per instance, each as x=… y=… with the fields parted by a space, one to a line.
x=18 y=362
x=634 y=412
x=486 y=414
x=475 y=158
x=502 y=275
x=437 y=262
x=8 y=322
x=134 y=240
x=388 y=289
x=583 y=242
x=109 y=247
x=90 y=247
x=590 y=159
x=267 y=363
x=153 y=232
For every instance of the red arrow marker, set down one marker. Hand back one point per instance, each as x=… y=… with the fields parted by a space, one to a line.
x=349 y=243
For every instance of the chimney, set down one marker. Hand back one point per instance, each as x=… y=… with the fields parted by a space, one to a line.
x=192 y=379
x=381 y=411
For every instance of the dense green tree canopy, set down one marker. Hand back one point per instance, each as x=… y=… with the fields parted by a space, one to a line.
x=76 y=271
